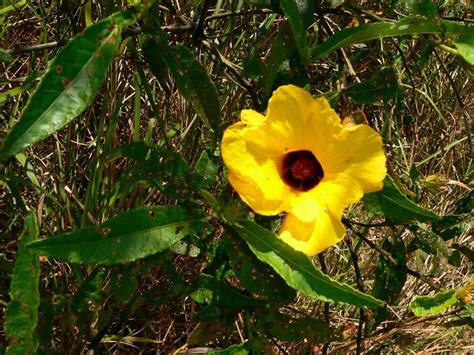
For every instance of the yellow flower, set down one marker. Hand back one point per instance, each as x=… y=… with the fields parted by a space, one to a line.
x=299 y=159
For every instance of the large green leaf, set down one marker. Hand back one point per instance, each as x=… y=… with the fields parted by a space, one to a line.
x=127 y=237
x=297 y=269
x=432 y=305
x=394 y=205
x=69 y=85
x=21 y=315
x=407 y=26
x=191 y=78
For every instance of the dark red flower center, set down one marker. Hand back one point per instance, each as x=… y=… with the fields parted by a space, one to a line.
x=301 y=170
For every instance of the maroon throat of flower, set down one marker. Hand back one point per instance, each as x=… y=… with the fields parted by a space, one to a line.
x=301 y=170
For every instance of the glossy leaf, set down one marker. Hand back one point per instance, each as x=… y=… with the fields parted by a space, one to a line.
x=69 y=85
x=406 y=26
x=192 y=81
x=394 y=205
x=297 y=269
x=432 y=305
x=127 y=237
x=21 y=315
x=215 y=292
x=384 y=84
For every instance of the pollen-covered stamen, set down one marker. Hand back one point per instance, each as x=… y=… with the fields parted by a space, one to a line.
x=301 y=170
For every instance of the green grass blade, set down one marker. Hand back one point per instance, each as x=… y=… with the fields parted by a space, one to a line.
x=21 y=315
x=367 y=32
x=69 y=85
x=297 y=269
x=125 y=238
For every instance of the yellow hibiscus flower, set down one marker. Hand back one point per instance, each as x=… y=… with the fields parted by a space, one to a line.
x=299 y=159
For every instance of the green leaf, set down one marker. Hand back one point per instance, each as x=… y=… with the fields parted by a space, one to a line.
x=291 y=11
x=238 y=349
x=5 y=57
x=389 y=280
x=432 y=305
x=394 y=205
x=127 y=237
x=215 y=292
x=206 y=170
x=465 y=47
x=69 y=85
x=383 y=84
x=193 y=82
x=406 y=26
x=123 y=284
x=257 y=277
x=297 y=269
x=422 y=7
x=21 y=315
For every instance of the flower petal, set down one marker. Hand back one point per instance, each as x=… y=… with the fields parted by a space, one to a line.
x=254 y=197
x=357 y=151
x=312 y=237
x=249 y=166
x=289 y=109
x=252 y=118
x=332 y=195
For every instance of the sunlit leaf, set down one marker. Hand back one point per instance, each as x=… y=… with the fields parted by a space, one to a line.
x=69 y=85
x=297 y=269
x=127 y=237
x=21 y=315
x=432 y=305
x=406 y=26
x=238 y=349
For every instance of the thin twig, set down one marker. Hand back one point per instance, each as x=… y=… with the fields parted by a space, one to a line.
x=327 y=319
x=360 y=286
x=391 y=259
x=465 y=114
